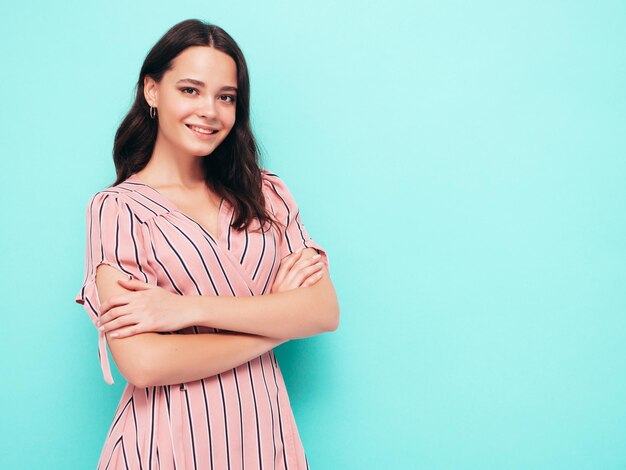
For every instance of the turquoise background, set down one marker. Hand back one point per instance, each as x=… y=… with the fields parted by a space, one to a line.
x=464 y=165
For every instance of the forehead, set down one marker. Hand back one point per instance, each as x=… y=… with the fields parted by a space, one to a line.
x=206 y=64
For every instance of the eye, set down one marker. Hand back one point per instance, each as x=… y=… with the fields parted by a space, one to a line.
x=228 y=98
x=188 y=88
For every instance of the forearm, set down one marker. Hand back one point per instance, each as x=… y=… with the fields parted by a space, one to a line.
x=295 y=313
x=150 y=359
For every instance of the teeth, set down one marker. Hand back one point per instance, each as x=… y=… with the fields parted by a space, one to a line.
x=202 y=131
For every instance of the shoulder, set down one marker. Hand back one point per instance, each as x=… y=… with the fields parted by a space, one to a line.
x=105 y=199
x=270 y=178
x=127 y=199
x=274 y=186
x=279 y=197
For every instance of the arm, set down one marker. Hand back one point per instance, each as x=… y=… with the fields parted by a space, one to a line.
x=290 y=314
x=149 y=359
x=294 y=313
x=153 y=309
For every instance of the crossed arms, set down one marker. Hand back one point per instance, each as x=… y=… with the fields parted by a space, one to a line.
x=262 y=322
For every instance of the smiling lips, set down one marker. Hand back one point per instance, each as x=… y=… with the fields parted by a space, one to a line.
x=201 y=129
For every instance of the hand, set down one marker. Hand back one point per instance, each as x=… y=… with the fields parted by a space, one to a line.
x=148 y=308
x=295 y=271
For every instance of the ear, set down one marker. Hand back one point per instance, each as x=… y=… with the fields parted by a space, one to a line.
x=151 y=91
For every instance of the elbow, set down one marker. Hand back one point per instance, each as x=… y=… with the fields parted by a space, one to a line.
x=136 y=364
x=332 y=319
x=325 y=323
x=138 y=373
x=138 y=381
x=141 y=379
x=147 y=373
x=330 y=305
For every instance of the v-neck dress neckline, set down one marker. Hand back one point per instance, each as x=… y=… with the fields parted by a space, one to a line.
x=169 y=205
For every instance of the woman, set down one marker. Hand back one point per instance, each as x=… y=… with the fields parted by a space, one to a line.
x=197 y=265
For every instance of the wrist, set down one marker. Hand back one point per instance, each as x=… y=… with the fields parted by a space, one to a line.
x=192 y=310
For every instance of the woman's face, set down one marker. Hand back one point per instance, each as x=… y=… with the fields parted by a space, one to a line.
x=195 y=101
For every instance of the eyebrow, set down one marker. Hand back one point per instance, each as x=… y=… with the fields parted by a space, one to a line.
x=193 y=81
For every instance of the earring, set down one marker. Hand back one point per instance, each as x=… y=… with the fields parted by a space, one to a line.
x=152 y=112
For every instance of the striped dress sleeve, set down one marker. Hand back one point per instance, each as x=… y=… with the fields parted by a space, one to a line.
x=113 y=237
x=294 y=235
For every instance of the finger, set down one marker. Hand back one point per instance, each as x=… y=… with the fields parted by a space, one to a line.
x=304 y=275
x=125 y=332
x=290 y=259
x=122 y=321
x=312 y=279
x=112 y=314
x=286 y=264
x=302 y=266
x=304 y=262
x=134 y=284
x=297 y=277
x=294 y=267
x=302 y=279
x=112 y=302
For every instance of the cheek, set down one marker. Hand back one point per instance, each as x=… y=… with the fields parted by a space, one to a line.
x=177 y=105
x=230 y=118
x=182 y=110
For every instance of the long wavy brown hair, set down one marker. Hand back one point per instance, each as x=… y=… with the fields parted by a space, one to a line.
x=232 y=170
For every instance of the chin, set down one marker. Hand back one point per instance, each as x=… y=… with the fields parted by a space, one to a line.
x=200 y=152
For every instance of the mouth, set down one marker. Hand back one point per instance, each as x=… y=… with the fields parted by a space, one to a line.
x=202 y=130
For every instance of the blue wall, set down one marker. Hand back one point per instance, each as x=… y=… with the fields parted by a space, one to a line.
x=464 y=165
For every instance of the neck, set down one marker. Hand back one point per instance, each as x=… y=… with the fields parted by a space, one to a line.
x=167 y=167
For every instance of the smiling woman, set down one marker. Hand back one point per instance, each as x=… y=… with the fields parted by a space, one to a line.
x=194 y=120
x=221 y=270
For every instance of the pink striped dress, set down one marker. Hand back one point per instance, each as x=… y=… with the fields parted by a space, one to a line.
x=239 y=419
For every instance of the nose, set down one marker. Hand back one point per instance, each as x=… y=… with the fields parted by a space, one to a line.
x=207 y=108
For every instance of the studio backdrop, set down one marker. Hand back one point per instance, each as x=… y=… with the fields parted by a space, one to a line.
x=462 y=163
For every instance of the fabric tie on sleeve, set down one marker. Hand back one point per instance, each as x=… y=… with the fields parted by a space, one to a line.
x=89 y=291
x=114 y=237
x=104 y=358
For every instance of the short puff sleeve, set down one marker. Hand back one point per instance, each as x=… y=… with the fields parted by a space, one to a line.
x=113 y=237
x=294 y=235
